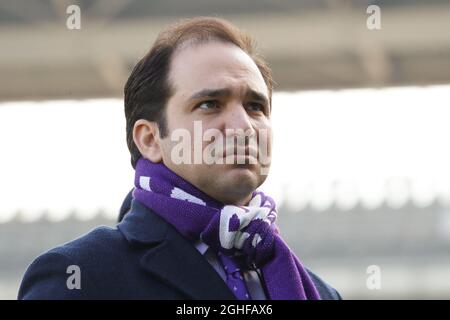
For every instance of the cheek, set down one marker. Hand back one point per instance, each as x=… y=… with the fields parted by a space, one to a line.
x=264 y=130
x=175 y=122
x=166 y=146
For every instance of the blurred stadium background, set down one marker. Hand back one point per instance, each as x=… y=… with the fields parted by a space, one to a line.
x=361 y=164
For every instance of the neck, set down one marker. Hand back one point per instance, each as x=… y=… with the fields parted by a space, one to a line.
x=227 y=198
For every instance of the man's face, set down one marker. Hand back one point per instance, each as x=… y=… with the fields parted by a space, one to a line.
x=219 y=85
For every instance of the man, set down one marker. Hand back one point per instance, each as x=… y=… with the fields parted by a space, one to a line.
x=195 y=226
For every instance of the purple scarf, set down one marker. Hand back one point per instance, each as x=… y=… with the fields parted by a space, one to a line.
x=246 y=232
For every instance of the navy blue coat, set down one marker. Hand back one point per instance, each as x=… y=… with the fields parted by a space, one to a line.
x=142 y=258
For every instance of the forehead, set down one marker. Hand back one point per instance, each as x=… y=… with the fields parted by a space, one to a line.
x=214 y=65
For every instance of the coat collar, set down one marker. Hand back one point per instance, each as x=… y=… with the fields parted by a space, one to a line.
x=171 y=257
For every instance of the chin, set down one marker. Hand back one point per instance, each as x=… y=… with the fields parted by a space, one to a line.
x=230 y=183
x=244 y=176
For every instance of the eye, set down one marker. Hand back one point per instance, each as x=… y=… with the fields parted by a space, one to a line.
x=255 y=107
x=210 y=104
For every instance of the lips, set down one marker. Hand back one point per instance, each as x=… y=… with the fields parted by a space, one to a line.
x=241 y=158
x=241 y=152
x=237 y=154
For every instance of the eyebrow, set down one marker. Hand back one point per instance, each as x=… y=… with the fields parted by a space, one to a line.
x=221 y=93
x=255 y=95
x=211 y=93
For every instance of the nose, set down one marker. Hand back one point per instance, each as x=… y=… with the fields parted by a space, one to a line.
x=238 y=119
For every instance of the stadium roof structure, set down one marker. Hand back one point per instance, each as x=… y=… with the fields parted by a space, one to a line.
x=310 y=44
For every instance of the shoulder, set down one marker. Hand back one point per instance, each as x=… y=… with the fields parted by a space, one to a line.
x=48 y=275
x=325 y=290
x=98 y=243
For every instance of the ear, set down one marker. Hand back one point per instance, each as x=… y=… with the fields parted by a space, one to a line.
x=146 y=137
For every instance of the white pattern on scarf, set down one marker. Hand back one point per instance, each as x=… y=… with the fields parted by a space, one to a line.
x=229 y=239
x=236 y=239
x=144 y=182
x=177 y=193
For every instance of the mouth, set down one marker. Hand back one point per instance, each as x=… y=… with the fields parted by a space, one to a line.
x=247 y=151
x=237 y=155
x=241 y=158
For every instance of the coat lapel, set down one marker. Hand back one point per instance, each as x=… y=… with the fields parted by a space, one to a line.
x=172 y=258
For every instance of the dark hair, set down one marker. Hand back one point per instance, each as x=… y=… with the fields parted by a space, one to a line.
x=148 y=89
